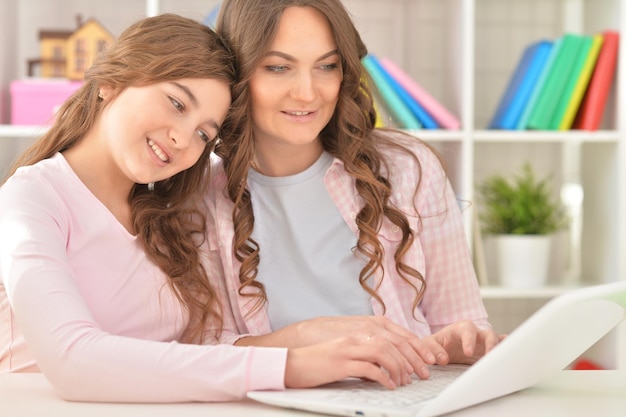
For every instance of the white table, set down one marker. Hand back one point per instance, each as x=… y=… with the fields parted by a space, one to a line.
x=570 y=394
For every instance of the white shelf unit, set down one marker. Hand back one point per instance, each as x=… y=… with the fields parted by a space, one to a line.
x=463 y=52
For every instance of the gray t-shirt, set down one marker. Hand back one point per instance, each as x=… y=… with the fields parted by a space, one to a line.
x=307 y=264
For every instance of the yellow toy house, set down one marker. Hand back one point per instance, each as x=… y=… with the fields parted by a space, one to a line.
x=68 y=54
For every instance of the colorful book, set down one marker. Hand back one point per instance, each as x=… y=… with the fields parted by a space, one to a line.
x=591 y=110
x=403 y=115
x=548 y=101
x=538 y=87
x=580 y=86
x=382 y=115
x=568 y=102
x=380 y=121
x=439 y=113
x=425 y=119
x=520 y=85
x=380 y=110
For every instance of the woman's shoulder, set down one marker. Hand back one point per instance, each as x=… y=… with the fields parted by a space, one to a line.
x=405 y=152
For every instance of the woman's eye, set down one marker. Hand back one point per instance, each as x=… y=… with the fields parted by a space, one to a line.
x=177 y=104
x=276 y=68
x=329 y=67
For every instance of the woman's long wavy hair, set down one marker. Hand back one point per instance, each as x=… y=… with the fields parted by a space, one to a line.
x=156 y=49
x=250 y=27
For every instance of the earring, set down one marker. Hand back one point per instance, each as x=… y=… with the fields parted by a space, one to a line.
x=100 y=95
x=150 y=186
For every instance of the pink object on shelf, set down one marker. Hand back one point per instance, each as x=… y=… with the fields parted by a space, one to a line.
x=34 y=102
x=444 y=117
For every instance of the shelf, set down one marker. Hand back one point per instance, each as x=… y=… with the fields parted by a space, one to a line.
x=545 y=136
x=495 y=292
x=437 y=135
x=13 y=131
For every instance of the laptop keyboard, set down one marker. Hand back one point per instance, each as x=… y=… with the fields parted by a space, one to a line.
x=372 y=393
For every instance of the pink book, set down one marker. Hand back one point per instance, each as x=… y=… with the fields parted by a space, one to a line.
x=446 y=119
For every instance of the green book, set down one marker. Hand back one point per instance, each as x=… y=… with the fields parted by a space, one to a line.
x=582 y=83
x=556 y=81
x=568 y=93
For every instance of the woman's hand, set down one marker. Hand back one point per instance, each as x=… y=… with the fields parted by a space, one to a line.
x=464 y=342
x=374 y=358
x=324 y=329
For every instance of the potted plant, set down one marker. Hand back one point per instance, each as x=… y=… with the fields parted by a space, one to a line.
x=521 y=212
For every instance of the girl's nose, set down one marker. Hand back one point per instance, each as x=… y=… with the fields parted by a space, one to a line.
x=182 y=136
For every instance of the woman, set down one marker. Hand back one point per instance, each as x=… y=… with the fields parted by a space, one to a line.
x=323 y=215
x=102 y=286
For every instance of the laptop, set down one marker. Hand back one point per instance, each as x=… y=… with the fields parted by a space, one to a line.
x=546 y=343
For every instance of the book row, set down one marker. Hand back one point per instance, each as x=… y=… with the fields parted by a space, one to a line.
x=560 y=84
x=401 y=102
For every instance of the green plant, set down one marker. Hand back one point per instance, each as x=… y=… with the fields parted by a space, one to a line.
x=521 y=205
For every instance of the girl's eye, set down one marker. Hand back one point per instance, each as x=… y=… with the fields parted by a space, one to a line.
x=205 y=138
x=177 y=104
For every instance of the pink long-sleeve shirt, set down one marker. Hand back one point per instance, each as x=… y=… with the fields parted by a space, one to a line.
x=440 y=251
x=80 y=301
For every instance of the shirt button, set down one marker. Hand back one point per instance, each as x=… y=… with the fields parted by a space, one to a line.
x=395 y=229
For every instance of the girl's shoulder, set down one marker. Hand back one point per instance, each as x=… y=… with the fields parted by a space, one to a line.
x=39 y=177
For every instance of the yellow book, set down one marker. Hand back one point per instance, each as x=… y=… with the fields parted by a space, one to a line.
x=581 y=84
x=380 y=118
x=382 y=115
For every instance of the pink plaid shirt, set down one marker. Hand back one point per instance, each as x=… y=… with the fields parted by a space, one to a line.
x=440 y=251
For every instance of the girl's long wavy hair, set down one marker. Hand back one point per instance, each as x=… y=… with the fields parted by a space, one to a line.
x=156 y=49
x=250 y=27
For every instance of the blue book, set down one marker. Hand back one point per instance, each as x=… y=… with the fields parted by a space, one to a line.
x=522 y=123
x=520 y=86
x=396 y=106
x=425 y=119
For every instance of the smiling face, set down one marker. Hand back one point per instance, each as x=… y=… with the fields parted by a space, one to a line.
x=156 y=131
x=294 y=90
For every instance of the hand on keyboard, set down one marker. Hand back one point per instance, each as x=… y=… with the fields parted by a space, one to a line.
x=418 y=354
x=464 y=342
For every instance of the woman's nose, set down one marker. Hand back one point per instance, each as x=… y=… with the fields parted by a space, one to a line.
x=303 y=87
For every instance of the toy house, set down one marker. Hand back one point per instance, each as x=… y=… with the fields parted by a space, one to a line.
x=68 y=54
x=65 y=56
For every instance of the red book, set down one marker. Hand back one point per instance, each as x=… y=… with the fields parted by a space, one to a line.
x=591 y=111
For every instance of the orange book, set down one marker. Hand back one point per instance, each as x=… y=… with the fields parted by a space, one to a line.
x=591 y=111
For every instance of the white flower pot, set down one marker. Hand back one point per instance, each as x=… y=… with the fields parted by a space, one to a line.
x=523 y=260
